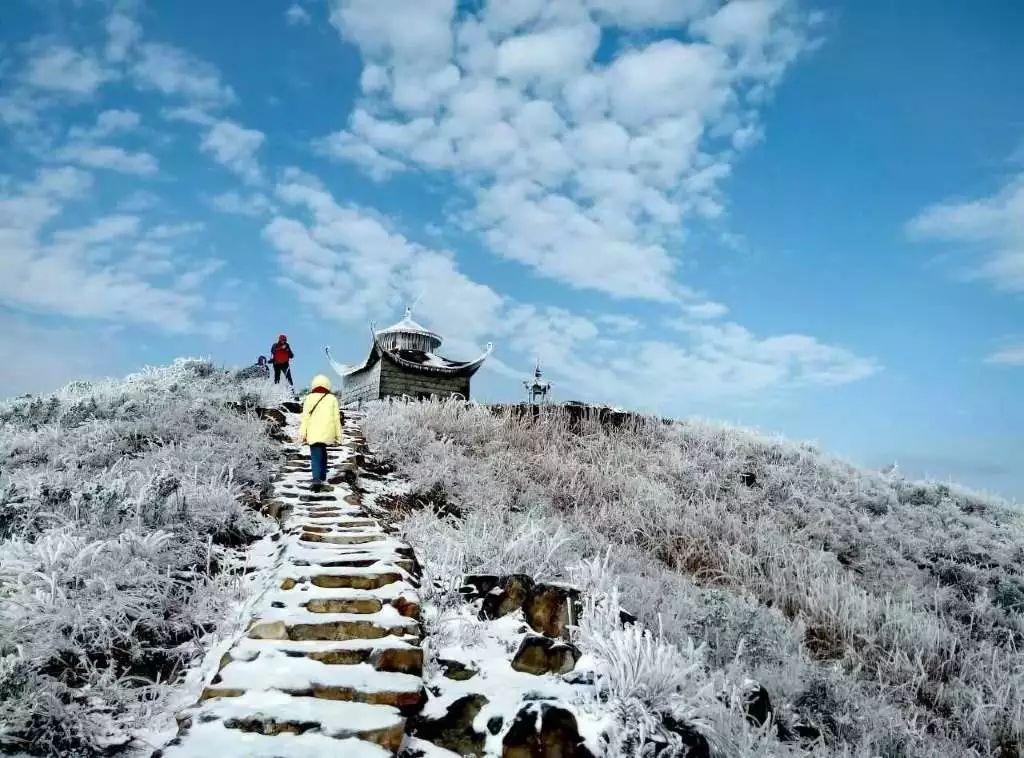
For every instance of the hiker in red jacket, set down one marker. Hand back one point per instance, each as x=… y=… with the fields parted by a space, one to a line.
x=281 y=354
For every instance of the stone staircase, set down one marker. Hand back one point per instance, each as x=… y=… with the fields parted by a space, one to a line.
x=332 y=663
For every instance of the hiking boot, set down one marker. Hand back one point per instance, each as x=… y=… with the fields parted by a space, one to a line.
x=316 y=487
x=325 y=487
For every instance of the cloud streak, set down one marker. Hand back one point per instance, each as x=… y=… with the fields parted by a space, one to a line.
x=992 y=226
x=1011 y=355
x=111 y=158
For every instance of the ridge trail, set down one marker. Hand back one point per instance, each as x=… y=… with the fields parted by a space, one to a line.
x=331 y=663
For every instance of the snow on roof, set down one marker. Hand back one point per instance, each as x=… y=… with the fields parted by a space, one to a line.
x=407 y=324
x=428 y=359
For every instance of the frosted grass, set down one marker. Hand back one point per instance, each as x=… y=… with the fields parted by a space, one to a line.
x=884 y=612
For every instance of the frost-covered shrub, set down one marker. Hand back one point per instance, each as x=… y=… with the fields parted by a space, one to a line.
x=885 y=613
x=116 y=500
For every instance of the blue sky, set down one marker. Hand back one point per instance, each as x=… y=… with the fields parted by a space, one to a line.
x=802 y=216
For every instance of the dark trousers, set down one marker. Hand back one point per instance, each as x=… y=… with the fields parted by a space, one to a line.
x=282 y=368
x=318 y=461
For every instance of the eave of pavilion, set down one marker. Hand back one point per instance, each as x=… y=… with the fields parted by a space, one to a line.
x=377 y=352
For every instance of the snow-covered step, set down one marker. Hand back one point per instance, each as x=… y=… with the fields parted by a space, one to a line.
x=301 y=624
x=273 y=669
x=302 y=593
x=310 y=521
x=376 y=557
x=332 y=661
x=339 y=522
x=213 y=739
x=372 y=577
x=305 y=676
x=360 y=538
x=398 y=654
x=272 y=712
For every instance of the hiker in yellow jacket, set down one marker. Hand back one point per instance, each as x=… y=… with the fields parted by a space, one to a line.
x=321 y=426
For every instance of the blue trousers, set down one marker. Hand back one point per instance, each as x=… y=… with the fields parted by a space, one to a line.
x=318 y=461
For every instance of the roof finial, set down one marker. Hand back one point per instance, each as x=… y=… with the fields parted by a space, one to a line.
x=412 y=306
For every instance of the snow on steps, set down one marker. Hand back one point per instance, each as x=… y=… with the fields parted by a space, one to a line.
x=331 y=665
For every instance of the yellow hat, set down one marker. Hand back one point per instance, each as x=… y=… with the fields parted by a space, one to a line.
x=320 y=381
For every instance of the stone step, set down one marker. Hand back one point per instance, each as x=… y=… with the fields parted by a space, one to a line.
x=343 y=605
x=300 y=624
x=341 y=522
x=368 y=581
x=343 y=539
x=382 y=572
x=304 y=676
x=332 y=664
x=302 y=593
x=272 y=712
x=213 y=738
x=396 y=654
x=341 y=526
x=338 y=514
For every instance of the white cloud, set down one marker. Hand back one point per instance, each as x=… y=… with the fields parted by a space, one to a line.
x=18 y=108
x=643 y=13
x=408 y=32
x=190 y=114
x=103 y=270
x=255 y=204
x=345 y=146
x=111 y=121
x=618 y=323
x=173 y=231
x=584 y=167
x=548 y=56
x=669 y=79
x=108 y=122
x=138 y=201
x=705 y=310
x=555 y=235
x=296 y=15
x=61 y=68
x=111 y=158
x=1011 y=355
x=64 y=182
x=235 y=147
x=351 y=265
x=123 y=33
x=85 y=151
x=993 y=225
x=104 y=229
x=173 y=71
x=373 y=79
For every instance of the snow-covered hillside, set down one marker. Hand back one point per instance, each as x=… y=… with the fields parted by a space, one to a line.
x=777 y=602
x=120 y=514
x=882 y=616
